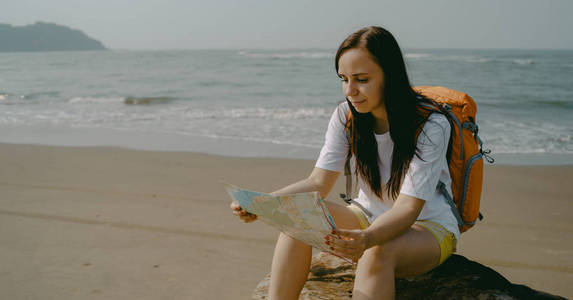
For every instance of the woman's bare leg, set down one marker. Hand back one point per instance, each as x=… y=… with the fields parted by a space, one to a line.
x=291 y=259
x=412 y=253
x=291 y=263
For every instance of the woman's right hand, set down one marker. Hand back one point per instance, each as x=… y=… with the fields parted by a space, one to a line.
x=246 y=216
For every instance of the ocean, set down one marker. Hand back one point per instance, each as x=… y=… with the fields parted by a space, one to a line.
x=268 y=103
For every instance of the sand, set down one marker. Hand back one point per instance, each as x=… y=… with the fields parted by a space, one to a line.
x=111 y=223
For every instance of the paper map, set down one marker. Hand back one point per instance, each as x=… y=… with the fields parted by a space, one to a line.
x=302 y=216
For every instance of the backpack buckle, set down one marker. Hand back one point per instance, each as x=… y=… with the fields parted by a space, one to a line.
x=488 y=158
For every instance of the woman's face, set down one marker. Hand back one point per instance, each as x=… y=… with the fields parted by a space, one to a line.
x=362 y=81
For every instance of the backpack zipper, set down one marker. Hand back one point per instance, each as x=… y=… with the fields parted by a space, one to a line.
x=469 y=166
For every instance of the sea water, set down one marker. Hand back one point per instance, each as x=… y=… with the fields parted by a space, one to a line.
x=268 y=103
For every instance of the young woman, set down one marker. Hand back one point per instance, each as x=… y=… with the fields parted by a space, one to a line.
x=400 y=224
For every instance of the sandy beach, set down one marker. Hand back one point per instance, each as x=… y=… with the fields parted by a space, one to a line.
x=111 y=223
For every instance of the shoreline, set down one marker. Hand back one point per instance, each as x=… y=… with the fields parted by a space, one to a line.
x=107 y=222
x=220 y=146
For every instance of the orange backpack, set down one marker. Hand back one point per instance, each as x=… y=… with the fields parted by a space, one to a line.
x=465 y=153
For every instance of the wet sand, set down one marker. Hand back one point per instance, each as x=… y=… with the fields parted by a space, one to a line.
x=110 y=223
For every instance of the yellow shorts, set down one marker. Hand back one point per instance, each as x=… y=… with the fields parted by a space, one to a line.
x=444 y=237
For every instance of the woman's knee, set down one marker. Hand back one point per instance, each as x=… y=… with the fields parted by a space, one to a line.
x=343 y=216
x=380 y=257
x=287 y=241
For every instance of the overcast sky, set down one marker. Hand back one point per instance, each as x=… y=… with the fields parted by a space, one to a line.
x=190 y=24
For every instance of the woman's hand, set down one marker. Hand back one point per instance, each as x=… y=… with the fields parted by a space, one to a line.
x=348 y=243
x=246 y=216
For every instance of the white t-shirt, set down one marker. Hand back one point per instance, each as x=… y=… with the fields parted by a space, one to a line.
x=420 y=181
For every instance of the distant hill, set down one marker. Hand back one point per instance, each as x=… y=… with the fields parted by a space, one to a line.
x=43 y=36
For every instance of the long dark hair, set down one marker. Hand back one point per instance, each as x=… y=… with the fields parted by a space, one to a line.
x=401 y=103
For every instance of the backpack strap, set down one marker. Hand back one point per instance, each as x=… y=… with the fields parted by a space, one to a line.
x=347 y=173
x=348 y=196
x=450 y=201
x=445 y=109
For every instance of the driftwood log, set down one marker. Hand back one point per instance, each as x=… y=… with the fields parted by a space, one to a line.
x=457 y=278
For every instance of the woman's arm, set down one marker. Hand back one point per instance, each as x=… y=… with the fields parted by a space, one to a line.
x=395 y=221
x=320 y=180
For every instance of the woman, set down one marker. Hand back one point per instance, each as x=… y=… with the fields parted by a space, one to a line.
x=402 y=225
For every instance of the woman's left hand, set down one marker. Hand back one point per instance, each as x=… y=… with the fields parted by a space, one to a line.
x=348 y=243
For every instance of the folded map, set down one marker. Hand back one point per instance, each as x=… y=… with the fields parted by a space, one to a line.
x=302 y=216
